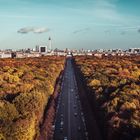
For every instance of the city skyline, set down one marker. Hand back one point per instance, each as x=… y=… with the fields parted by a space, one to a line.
x=71 y=24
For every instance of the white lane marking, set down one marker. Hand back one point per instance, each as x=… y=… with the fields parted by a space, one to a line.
x=69 y=126
x=82 y=114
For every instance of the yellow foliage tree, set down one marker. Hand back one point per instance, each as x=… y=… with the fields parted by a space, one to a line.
x=94 y=83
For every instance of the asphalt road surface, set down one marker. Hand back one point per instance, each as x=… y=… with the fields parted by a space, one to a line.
x=70 y=122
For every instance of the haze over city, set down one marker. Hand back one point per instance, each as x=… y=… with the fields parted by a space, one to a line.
x=71 y=24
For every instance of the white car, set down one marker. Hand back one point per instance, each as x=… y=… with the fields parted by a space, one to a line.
x=65 y=138
x=75 y=114
x=61 y=123
x=53 y=127
x=72 y=90
x=79 y=128
x=86 y=133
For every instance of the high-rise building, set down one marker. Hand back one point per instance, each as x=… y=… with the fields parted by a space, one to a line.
x=41 y=49
x=50 y=44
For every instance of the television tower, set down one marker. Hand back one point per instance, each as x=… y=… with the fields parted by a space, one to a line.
x=50 y=44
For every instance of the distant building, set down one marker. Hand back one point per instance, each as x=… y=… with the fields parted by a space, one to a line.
x=42 y=49
x=134 y=50
x=25 y=55
x=13 y=54
x=5 y=55
x=59 y=52
x=99 y=55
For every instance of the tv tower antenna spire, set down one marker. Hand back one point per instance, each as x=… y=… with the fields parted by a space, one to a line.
x=50 y=44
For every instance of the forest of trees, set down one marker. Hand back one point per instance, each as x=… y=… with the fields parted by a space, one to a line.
x=112 y=85
x=25 y=88
x=113 y=90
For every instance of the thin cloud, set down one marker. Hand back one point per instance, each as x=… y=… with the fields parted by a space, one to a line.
x=25 y=30
x=138 y=30
x=106 y=9
x=33 y=29
x=81 y=30
x=40 y=30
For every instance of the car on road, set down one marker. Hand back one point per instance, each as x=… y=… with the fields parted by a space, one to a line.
x=86 y=133
x=61 y=126
x=79 y=128
x=72 y=90
x=61 y=129
x=61 y=123
x=53 y=127
x=75 y=114
x=65 y=138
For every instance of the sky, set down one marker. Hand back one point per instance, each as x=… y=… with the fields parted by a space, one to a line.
x=74 y=24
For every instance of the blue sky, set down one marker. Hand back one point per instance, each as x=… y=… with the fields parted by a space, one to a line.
x=90 y=24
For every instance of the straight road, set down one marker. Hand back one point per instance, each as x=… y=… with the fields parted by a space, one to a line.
x=70 y=122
